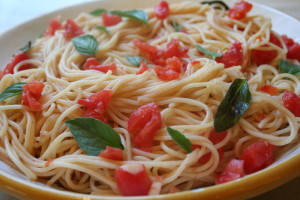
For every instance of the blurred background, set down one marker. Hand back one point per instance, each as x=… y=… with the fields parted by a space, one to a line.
x=14 y=12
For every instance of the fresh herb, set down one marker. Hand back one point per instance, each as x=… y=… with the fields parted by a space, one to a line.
x=135 y=60
x=98 y=12
x=139 y=15
x=102 y=28
x=288 y=67
x=180 y=139
x=86 y=45
x=208 y=52
x=93 y=135
x=12 y=90
x=233 y=106
x=216 y=2
x=176 y=26
x=26 y=47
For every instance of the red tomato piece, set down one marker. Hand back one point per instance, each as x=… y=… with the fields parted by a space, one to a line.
x=92 y=113
x=257 y=156
x=9 y=68
x=162 y=10
x=110 y=20
x=173 y=49
x=174 y=64
x=270 y=89
x=144 y=47
x=71 y=29
x=143 y=123
x=288 y=41
x=293 y=48
x=292 y=102
x=32 y=92
x=112 y=153
x=142 y=68
x=233 y=56
x=234 y=170
x=166 y=74
x=239 y=10
x=92 y=63
x=133 y=180
x=53 y=26
x=99 y=100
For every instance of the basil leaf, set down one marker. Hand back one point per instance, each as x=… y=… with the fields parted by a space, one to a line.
x=102 y=28
x=216 y=2
x=86 y=45
x=233 y=106
x=93 y=135
x=135 y=60
x=12 y=90
x=139 y=15
x=98 y=12
x=180 y=139
x=176 y=26
x=288 y=67
x=208 y=52
x=26 y=47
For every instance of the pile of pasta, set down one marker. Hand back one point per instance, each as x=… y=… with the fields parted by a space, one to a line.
x=163 y=71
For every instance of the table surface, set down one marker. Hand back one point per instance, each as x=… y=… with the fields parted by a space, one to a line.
x=14 y=12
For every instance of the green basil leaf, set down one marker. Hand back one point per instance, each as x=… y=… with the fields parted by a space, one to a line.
x=86 y=45
x=102 y=28
x=216 y=2
x=208 y=52
x=180 y=139
x=93 y=135
x=233 y=106
x=139 y=15
x=12 y=90
x=176 y=26
x=135 y=60
x=98 y=12
x=288 y=67
x=26 y=47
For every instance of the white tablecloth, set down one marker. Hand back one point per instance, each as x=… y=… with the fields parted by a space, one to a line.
x=14 y=12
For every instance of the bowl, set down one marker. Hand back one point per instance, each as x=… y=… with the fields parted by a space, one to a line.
x=283 y=170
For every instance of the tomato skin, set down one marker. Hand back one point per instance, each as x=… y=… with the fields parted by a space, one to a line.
x=112 y=153
x=293 y=48
x=162 y=10
x=233 y=56
x=292 y=102
x=143 y=124
x=239 y=10
x=142 y=68
x=32 y=92
x=92 y=63
x=71 y=29
x=9 y=68
x=166 y=74
x=233 y=171
x=257 y=156
x=53 y=26
x=270 y=89
x=133 y=184
x=110 y=20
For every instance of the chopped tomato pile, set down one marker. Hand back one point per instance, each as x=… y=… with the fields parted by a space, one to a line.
x=240 y=10
x=110 y=20
x=112 y=153
x=9 y=68
x=71 y=29
x=162 y=10
x=97 y=104
x=233 y=56
x=32 y=92
x=92 y=63
x=53 y=26
x=270 y=89
x=142 y=68
x=292 y=102
x=293 y=48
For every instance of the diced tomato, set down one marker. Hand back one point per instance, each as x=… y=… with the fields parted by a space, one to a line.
x=71 y=29
x=270 y=89
x=53 y=26
x=143 y=124
x=133 y=180
x=195 y=62
x=293 y=48
x=32 y=92
x=292 y=102
x=112 y=153
x=288 y=41
x=173 y=49
x=233 y=56
x=144 y=47
x=110 y=20
x=234 y=170
x=9 y=68
x=166 y=74
x=257 y=156
x=239 y=10
x=143 y=67
x=97 y=104
x=174 y=64
x=275 y=40
x=92 y=63
x=162 y=10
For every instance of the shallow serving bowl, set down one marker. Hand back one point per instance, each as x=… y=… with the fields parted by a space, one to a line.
x=283 y=170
